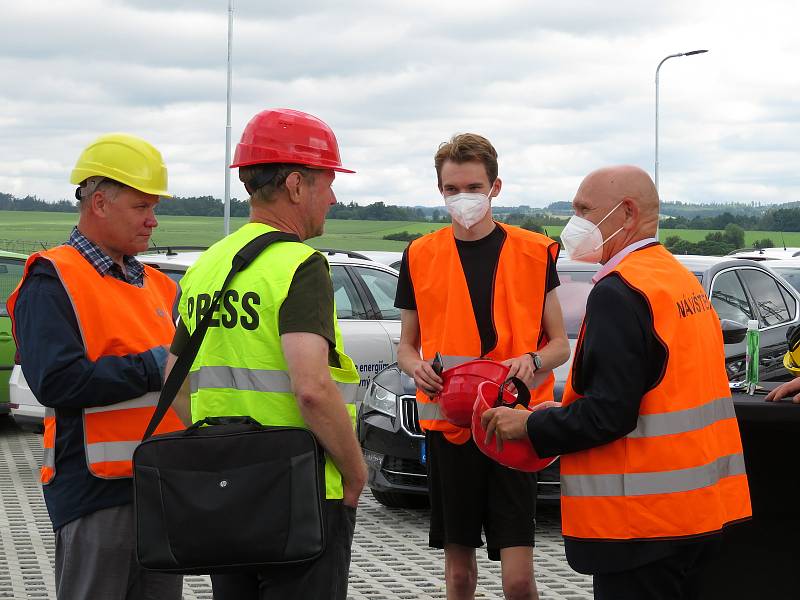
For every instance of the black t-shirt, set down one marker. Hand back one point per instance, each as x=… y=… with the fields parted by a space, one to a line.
x=308 y=307
x=479 y=260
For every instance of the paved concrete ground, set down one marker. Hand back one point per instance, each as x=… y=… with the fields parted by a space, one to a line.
x=391 y=558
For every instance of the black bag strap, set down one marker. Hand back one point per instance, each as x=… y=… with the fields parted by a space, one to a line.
x=180 y=369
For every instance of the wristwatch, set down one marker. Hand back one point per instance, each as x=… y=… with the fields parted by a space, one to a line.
x=537 y=361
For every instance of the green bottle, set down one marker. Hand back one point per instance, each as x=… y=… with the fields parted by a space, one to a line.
x=751 y=360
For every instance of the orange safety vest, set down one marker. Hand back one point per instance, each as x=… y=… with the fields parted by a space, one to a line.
x=447 y=320
x=681 y=472
x=115 y=319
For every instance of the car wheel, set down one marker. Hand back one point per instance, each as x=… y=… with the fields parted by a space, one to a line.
x=400 y=500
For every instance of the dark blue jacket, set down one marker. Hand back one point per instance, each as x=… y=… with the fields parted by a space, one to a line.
x=54 y=362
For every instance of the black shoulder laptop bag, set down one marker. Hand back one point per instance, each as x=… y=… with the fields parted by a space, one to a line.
x=226 y=494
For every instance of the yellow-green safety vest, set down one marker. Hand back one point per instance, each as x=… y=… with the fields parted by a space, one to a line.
x=240 y=368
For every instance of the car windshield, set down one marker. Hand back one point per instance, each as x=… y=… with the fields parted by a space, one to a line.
x=572 y=295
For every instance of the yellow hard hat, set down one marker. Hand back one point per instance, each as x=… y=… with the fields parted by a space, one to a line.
x=791 y=360
x=791 y=363
x=124 y=158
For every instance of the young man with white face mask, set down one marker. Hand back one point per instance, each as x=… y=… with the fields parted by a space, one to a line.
x=478 y=289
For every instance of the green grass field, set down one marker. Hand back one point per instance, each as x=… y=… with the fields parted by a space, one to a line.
x=27 y=231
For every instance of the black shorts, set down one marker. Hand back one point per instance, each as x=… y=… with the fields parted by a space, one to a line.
x=470 y=492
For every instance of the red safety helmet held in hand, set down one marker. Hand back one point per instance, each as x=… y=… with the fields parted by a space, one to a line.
x=283 y=135
x=460 y=386
x=517 y=454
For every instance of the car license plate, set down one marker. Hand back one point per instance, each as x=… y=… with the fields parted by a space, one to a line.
x=422 y=454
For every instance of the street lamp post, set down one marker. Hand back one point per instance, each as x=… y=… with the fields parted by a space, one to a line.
x=663 y=60
x=658 y=68
x=226 y=209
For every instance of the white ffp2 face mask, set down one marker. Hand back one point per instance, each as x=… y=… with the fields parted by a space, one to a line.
x=583 y=240
x=467 y=208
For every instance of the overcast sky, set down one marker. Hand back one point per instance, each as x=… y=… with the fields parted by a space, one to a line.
x=560 y=88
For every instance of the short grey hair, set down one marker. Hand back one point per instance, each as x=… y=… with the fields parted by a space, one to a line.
x=92 y=184
x=262 y=180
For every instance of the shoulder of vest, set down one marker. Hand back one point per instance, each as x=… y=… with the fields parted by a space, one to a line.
x=63 y=251
x=432 y=238
x=60 y=256
x=645 y=255
x=635 y=270
x=523 y=235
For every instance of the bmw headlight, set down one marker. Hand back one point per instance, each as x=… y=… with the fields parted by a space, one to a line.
x=381 y=400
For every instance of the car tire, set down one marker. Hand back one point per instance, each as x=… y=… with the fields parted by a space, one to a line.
x=400 y=500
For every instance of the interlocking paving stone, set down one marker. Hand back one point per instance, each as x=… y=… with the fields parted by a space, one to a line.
x=391 y=558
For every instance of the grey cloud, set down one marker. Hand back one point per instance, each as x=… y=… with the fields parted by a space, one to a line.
x=560 y=89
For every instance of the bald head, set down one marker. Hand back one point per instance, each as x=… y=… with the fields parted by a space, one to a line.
x=626 y=197
x=610 y=185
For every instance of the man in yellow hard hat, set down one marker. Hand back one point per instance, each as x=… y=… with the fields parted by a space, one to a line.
x=106 y=318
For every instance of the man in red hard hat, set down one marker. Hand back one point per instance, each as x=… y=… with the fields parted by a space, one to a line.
x=280 y=360
x=478 y=289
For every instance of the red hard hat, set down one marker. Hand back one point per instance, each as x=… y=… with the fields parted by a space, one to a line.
x=517 y=454
x=460 y=386
x=283 y=135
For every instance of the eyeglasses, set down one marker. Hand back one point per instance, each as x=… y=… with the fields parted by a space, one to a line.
x=96 y=185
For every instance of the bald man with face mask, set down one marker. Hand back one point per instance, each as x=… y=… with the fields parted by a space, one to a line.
x=651 y=459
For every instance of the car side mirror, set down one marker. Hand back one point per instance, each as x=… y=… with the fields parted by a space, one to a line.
x=733 y=332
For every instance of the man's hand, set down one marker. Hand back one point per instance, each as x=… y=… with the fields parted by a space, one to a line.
x=323 y=408
x=504 y=424
x=352 y=489
x=508 y=423
x=521 y=367
x=790 y=388
x=426 y=378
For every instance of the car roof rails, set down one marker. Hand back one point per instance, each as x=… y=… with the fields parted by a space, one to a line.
x=173 y=250
x=349 y=253
x=743 y=250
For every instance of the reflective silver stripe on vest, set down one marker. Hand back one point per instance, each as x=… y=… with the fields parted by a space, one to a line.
x=349 y=391
x=449 y=360
x=661 y=482
x=429 y=411
x=254 y=380
x=110 y=451
x=49 y=454
x=149 y=400
x=683 y=421
x=49 y=457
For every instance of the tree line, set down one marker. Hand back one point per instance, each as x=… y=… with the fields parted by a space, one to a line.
x=779 y=219
x=716 y=243
x=31 y=203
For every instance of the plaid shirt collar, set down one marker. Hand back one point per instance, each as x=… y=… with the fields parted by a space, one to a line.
x=103 y=263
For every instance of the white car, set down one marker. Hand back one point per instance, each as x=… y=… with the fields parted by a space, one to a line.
x=765 y=253
x=788 y=268
x=364 y=294
x=392 y=259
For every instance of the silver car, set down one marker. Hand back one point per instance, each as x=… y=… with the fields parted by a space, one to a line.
x=364 y=294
